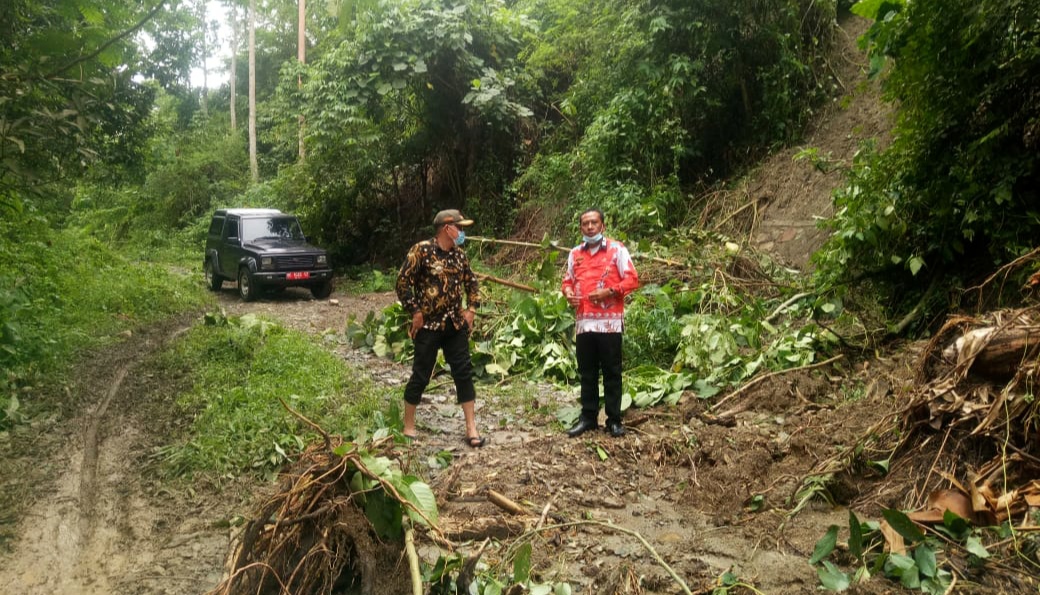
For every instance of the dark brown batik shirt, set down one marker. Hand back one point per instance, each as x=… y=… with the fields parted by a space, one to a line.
x=434 y=281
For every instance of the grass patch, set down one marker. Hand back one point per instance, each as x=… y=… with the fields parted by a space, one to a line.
x=70 y=292
x=241 y=368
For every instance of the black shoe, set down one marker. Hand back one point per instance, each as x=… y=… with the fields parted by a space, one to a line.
x=616 y=429
x=581 y=427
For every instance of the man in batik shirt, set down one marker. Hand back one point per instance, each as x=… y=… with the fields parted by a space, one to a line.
x=431 y=285
x=599 y=275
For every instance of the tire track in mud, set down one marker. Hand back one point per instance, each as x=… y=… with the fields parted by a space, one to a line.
x=83 y=536
x=89 y=464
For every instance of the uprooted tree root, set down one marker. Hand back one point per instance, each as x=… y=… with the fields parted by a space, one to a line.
x=969 y=426
x=313 y=537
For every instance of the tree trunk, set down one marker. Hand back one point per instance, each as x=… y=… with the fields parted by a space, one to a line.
x=205 y=52
x=1002 y=354
x=302 y=56
x=234 y=67
x=254 y=169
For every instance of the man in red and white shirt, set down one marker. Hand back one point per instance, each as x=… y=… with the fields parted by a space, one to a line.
x=599 y=276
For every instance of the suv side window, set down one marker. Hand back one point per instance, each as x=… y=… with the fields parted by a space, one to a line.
x=215 y=226
x=231 y=229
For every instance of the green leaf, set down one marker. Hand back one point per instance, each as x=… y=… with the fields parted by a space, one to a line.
x=378 y=466
x=902 y=524
x=956 y=527
x=831 y=578
x=916 y=262
x=855 y=537
x=385 y=515
x=420 y=494
x=602 y=453
x=925 y=558
x=522 y=564
x=975 y=547
x=562 y=589
x=825 y=545
x=539 y=589
x=904 y=568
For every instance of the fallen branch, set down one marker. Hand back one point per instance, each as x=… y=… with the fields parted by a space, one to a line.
x=758 y=379
x=565 y=250
x=504 y=503
x=413 y=559
x=506 y=282
x=317 y=428
x=783 y=306
x=752 y=203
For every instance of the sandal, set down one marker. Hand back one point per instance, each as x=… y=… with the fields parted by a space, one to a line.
x=410 y=437
x=475 y=441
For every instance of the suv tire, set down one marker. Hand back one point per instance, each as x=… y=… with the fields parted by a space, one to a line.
x=246 y=288
x=213 y=280
x=322 y=291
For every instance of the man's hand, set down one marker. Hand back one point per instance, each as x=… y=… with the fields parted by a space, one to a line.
x=572 y=299
x=600 y=295
x=469 y=315
x=417 y=322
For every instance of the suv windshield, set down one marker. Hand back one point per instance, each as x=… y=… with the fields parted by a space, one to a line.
x=273 y=228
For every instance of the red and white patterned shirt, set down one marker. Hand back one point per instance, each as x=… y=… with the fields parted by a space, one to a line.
x=607 y=265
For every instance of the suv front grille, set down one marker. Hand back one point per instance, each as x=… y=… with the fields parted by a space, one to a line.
x=293 y=263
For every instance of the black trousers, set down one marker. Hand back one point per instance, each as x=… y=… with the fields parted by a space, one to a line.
x=455 y=344
x=598 y=352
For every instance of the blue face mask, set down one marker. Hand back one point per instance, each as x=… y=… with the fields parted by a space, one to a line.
x=461 y=239
x=593 y=240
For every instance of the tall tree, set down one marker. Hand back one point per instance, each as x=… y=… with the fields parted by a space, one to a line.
x=301 y=55
x=232 y=77
x=254 y=168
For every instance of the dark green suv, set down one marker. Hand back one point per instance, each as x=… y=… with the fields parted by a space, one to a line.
x=263 y=249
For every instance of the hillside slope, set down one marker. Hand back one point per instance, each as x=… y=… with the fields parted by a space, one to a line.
x=791 y=194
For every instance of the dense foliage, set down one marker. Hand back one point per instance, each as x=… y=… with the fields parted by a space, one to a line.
x=955 y=196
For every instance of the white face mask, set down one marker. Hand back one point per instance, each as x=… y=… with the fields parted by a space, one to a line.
x=592 y=240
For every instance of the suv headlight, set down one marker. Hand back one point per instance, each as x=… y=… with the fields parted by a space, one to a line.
x=265 y=262
x=322 y=259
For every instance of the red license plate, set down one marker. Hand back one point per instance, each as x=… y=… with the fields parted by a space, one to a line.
x=298 y=275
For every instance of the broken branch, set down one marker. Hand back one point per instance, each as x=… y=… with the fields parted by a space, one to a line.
x=504 y=503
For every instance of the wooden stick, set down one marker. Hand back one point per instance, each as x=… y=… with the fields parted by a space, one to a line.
x=317 y=428
x=758 y=379
x=552 y=245
x=504 y=503
x=784 y=305
x=565 y=250
x=506 y=282
x=413 y=559
x=749 y=204
x=545 y=511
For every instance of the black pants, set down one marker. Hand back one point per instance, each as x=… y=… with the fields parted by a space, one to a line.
x=599 y=352
x=455 y=344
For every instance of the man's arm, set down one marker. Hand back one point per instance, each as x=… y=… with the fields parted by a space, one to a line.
x=407 y=278
x=627 y=272
x=569 y=286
